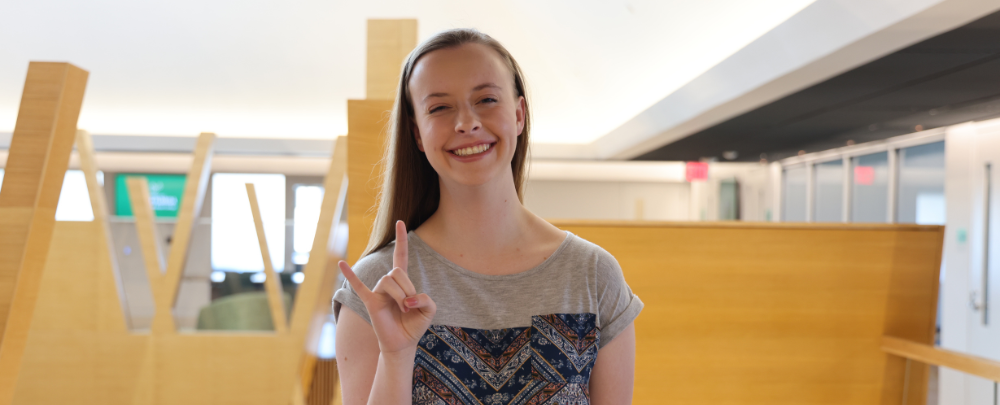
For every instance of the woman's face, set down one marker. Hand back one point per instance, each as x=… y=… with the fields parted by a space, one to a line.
x=468 y=114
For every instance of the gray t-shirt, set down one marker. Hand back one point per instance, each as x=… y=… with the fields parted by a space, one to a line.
x=521 y=336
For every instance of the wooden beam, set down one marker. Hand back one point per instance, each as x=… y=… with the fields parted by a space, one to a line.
x=366 y=140
x=389 y=43
x=977 y=366
x=311 y=294
x=39 y=154
x=149 y=242
x=315 y=296
x=194 y=195
x=272 y=284
x=88 y=164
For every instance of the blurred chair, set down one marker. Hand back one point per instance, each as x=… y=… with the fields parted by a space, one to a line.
x=243 y=311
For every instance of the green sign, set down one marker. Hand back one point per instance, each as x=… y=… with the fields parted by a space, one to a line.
x=165 y=191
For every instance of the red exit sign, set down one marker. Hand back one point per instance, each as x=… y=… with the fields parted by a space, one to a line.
x=696 y=171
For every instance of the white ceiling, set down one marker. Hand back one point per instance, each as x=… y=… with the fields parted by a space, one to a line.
x=285 y=69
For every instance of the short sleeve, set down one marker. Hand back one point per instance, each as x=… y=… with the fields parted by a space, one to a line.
x=369 y=269
x=617 y=305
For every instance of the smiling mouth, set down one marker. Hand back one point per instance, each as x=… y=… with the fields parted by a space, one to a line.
x=473 y=150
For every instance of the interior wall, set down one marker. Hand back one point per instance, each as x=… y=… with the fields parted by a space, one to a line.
x=609 y=200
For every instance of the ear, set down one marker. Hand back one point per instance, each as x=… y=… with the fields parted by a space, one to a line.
x=519 y=115
x=416 y=136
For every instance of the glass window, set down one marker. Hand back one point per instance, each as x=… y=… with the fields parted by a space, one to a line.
x=828 y=195
x=793 y=201
x=305 y=216
x=234 y=238
x=74 y=200
x=920 y=195
x=870 y=188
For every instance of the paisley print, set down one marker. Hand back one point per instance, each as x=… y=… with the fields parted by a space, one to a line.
x=547 y=363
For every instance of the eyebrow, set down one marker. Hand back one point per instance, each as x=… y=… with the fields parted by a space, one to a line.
x=477 y=88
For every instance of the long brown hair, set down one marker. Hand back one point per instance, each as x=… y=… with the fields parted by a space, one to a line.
x=410 y=189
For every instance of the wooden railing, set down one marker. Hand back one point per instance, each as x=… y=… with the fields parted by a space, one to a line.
x=928 y=354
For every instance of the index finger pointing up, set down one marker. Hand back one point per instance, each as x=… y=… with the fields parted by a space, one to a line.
x=359 y=287
x=400 y=255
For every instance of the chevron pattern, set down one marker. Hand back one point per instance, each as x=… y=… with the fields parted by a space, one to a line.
x=547 y=363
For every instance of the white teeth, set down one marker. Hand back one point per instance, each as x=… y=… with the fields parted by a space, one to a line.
x=472 y=150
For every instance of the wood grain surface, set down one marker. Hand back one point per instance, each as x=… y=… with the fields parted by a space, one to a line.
x=389 y=42
x=36 y=165
x=762 y=314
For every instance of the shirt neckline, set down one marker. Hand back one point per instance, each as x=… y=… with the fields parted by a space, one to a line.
x=420 y=244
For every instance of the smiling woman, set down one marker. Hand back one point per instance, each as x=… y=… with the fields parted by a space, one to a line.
x=483 y=302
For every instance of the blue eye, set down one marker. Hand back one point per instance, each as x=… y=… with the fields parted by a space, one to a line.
x=489 y=100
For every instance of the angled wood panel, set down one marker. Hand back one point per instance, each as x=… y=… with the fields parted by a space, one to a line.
x=39 y=154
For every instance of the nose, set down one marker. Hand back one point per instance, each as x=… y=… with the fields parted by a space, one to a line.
x=468 y=121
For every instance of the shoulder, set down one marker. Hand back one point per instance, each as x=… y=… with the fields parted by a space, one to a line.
x=591 y=255
x=375 y=265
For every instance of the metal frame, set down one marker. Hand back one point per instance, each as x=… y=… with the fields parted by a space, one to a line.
x=847 y=153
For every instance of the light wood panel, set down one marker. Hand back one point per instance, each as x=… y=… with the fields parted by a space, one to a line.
x=272 y=284
x=366 y=120
x=191 y=201
x=389 y=43
x=39 y=153
x=88 y=165
x=145 y=223
x=774 y=314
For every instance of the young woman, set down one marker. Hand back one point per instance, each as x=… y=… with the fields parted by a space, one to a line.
x=484 y=302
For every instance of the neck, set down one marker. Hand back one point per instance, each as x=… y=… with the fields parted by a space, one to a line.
x=487 y=215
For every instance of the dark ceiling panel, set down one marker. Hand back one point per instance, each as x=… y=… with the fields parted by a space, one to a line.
x=951 y=78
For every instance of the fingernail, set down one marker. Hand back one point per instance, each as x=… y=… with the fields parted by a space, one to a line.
x=412 y=301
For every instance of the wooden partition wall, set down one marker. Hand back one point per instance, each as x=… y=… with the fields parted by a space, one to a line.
x=776 y=313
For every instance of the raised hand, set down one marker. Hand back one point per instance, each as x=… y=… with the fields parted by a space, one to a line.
x=399 y=315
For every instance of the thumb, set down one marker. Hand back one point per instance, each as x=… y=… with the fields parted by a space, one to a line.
x=423 y=302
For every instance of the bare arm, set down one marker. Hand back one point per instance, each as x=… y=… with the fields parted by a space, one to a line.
x=376 y=360
x=357 y=356
x=613 y=375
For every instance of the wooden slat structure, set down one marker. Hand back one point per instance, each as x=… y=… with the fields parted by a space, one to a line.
x=39 y=154
x=775 y=313
x=79 y=349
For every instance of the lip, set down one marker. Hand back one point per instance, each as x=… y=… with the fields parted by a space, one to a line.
x=473 y=158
